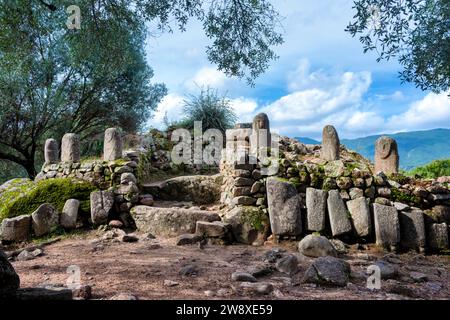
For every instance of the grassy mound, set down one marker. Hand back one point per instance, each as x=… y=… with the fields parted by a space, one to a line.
x=25 y=198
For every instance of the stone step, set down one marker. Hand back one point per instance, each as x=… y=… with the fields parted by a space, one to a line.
x=170 y=221
x=200 y=189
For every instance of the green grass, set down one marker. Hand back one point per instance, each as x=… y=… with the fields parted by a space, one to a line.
x=26 y=198
x=432 y=170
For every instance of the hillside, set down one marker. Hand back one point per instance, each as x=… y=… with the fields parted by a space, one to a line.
x=416 y=148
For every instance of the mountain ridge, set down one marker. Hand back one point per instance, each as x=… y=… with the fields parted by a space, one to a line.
x=416 y=148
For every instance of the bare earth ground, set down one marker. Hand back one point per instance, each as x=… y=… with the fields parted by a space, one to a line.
x=141 y=268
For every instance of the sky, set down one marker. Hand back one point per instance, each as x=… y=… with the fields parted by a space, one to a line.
x=321 y=77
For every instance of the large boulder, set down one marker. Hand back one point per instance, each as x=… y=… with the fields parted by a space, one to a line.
x=316 y=206
x=329 y=271
x=284 y=207
x=338 y=214
x=437 y=237
x=360 y=212
x=316 y=246
x=45 y=219
x=9 y=280
x=69 y=215
x=248 y=224
x=387 y=226
x=412 y=230
x=16 y=229
x=170 y=222
x=101 y=205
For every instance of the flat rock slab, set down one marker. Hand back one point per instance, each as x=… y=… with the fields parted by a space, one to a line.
x=337 y=211
x=316 y=206
x=328 y=271
x=360 y=212
x=170 y=222
x=284 y=208
x=412 y=230
x=387 y=226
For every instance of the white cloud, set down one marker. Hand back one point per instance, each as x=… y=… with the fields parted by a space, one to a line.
x=172 y=106
x=430 y=112
x=244 y=108
x=207 y=76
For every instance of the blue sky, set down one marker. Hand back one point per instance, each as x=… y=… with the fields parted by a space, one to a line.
x=322 y=77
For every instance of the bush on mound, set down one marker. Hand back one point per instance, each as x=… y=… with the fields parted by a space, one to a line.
x=24 y=197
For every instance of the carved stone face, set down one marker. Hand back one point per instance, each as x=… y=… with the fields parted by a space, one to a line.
x=261 y=121
x=384 y=147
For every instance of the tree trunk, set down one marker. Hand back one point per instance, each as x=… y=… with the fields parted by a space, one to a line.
x=29 y=167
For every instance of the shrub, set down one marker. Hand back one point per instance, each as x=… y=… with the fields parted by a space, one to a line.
x=26 y=198
x=437 y=168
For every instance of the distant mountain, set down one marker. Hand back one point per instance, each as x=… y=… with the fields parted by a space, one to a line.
x=306 y=140
x=416 y=148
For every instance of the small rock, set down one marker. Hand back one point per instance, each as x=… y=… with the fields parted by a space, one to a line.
x=170 y=283
x=84 y=292
x=387 y=270
x=328 y=271
x=273 y=255
x=189 y=270
x=37 y=253
x=25 y=256
x=257 y=288
x=115 y=224
x=243 y=277
x=260 y=270
x=316 y=246
x=339 y=245
x=129 y=238
x=418 y=276
x=288 y=264
x=187 y=239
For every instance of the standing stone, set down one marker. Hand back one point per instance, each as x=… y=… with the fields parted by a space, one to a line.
x=70 y=148
x=360 y=212
x=338 y=214
x=44 y=219
x=260 y=137
x=330 y=144
x=51 y=151
x=284 y=208
x=386 y=155
x=438 y=236
x=112 y=148
x=101 y=205
x=69 y=215
x=316 y=203
x=412 y=230
x=387 y=226
x=15 y=229
x=9 y=280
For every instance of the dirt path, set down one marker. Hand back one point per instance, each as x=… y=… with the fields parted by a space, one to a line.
x=141 y=268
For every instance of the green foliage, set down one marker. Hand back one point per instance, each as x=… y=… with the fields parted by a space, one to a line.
x=211 y=109
x=432 y=170
x=414 y=31
x=254 y=217
x=26 y=198
x=400 y=196
x=54 y=80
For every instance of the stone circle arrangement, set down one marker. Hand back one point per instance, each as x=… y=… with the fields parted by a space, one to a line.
x=318 y=192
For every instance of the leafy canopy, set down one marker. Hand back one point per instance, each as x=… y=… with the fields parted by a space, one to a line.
x=416 y=32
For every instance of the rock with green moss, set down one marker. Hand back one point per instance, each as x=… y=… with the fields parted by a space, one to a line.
x=26 y=197
x=248 y=224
